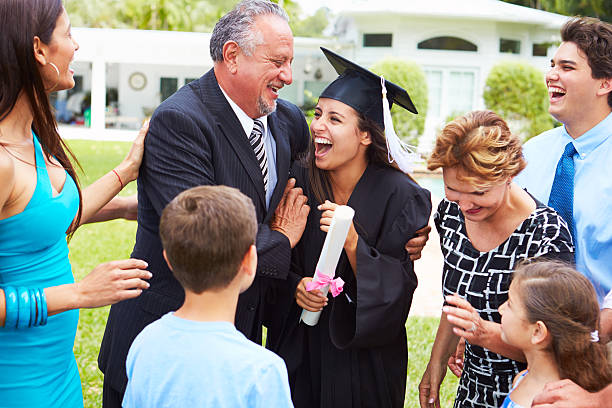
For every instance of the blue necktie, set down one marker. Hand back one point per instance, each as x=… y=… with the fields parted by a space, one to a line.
x=562 y=192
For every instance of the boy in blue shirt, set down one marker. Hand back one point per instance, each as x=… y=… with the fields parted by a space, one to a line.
x=195 y=357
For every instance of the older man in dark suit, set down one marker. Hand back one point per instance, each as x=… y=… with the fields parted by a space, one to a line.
x=229 y=128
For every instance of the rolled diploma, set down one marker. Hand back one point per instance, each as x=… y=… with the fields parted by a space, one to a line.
x=330 y=254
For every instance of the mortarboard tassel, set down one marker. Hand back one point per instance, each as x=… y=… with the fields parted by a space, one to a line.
x=402 y=153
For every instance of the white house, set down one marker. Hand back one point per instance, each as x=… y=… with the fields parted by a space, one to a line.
x=129 y=72
x=455 y=41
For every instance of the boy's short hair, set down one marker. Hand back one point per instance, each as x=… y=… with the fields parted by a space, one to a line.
x=206 y=232
x=594 y=38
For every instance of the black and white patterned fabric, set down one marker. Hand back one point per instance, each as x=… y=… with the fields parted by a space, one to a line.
x=483 y=278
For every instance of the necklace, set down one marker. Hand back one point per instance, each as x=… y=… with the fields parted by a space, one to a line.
x=6 y=145
x=14 y=155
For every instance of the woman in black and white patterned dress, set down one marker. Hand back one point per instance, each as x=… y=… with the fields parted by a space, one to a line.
x=486 y=225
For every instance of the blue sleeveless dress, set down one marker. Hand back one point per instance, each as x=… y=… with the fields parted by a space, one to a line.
x=37 y=365
x=508 y=403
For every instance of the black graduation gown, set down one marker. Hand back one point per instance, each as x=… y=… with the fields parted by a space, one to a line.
x=357 y=354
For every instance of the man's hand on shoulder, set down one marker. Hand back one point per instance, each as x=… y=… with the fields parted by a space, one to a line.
x=605 y=323
x=566 y=394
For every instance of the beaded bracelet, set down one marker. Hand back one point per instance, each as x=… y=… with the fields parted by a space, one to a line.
x=23 y=319
x=12 y=308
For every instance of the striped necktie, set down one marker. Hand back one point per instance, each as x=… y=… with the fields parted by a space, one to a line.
x=562 y=192
x=257 y=143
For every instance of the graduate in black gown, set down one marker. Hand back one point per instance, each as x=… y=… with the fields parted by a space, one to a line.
x=356 y=356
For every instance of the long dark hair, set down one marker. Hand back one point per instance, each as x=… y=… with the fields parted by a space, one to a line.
x=376 y=153
x=20 y=22
x=565 y=301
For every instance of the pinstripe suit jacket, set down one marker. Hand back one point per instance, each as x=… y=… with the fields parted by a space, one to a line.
x=196 y=139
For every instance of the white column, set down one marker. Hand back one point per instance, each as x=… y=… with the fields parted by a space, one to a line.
x=300 y=91
x=98 y=94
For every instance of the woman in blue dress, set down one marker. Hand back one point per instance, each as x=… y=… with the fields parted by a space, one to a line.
x=40 y=203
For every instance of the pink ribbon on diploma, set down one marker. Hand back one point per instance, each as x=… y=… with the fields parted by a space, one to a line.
x=320 y=280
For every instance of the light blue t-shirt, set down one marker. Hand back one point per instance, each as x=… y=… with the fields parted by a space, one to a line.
x=175 y=362
x=592 y=193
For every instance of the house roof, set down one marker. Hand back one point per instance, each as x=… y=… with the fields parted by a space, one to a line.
x=160 y=47
x=492 y=10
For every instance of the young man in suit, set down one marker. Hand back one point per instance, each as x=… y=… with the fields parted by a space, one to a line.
x=226 y=128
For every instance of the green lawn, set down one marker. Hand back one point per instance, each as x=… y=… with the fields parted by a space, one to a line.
x=97 y=243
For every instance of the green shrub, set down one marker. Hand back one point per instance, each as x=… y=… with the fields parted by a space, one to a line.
x=517 y=91
x=411 y=77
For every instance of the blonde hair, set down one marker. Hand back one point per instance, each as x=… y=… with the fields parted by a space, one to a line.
x=481 y=144
x=564 y=300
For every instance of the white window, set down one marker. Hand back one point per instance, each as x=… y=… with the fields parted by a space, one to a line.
x=434 y=86
x=451 y=91
x=447 y=43
x=377 y=40
x=460 y=92
x=540 y=49
x=509 y=46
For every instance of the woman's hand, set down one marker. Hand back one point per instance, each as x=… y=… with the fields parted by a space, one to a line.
x=350 y=244
x=484 y=333
x=455 y=361
x=468 y=323
x=128 y=169
x=313 y=301
x=327 y=213
x=112 y=282
x=444 y=346
x=429 y=388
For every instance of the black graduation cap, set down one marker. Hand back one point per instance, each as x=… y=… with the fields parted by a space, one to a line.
x=361 y=89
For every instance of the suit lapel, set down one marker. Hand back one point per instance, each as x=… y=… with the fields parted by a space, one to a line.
x=230 y=127
x=283 y=157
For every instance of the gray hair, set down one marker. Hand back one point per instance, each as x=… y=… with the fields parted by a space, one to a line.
x=236 y=26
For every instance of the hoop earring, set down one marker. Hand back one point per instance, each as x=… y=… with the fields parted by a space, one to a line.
x=58 y=77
